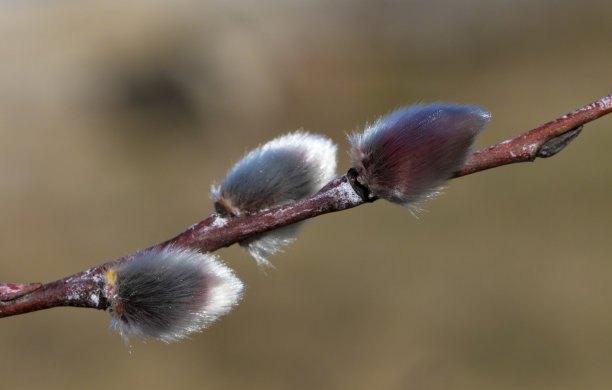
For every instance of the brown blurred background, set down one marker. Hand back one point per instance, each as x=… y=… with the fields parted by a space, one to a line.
x=115 y=117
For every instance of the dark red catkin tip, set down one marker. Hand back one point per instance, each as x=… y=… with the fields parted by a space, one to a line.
x=406 y=156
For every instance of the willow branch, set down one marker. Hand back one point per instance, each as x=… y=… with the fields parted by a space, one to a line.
x=544 y=141
x=88 y=288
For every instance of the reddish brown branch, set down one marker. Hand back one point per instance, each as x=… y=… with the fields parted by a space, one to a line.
x=87 y=288
x=526 y=146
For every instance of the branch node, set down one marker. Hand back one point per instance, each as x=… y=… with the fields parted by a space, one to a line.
x=361 y=190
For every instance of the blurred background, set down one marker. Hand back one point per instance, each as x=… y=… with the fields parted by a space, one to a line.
x=115 y=118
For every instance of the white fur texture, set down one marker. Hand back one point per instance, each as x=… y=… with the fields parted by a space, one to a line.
x=170 y=294
x=285 y=169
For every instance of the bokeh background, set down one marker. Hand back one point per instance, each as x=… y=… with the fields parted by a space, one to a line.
x=115 y=117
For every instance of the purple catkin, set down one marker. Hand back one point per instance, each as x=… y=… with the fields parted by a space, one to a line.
x=406 y=156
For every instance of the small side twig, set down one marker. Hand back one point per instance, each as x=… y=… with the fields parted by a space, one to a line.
x=88 y=288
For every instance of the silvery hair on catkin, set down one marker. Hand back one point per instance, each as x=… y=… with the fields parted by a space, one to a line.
x=283 y=170
x=169 y=294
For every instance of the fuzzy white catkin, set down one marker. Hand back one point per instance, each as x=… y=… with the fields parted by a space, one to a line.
x=283 y=170
x=170 y=294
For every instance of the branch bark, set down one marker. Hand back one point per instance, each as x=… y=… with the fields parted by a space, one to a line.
x=88 y=288
x=543 y=141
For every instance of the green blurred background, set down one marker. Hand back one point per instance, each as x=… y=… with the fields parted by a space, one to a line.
x=115 y=117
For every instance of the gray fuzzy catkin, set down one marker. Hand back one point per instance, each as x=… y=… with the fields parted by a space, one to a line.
x=283 y=170
x=169 y=294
